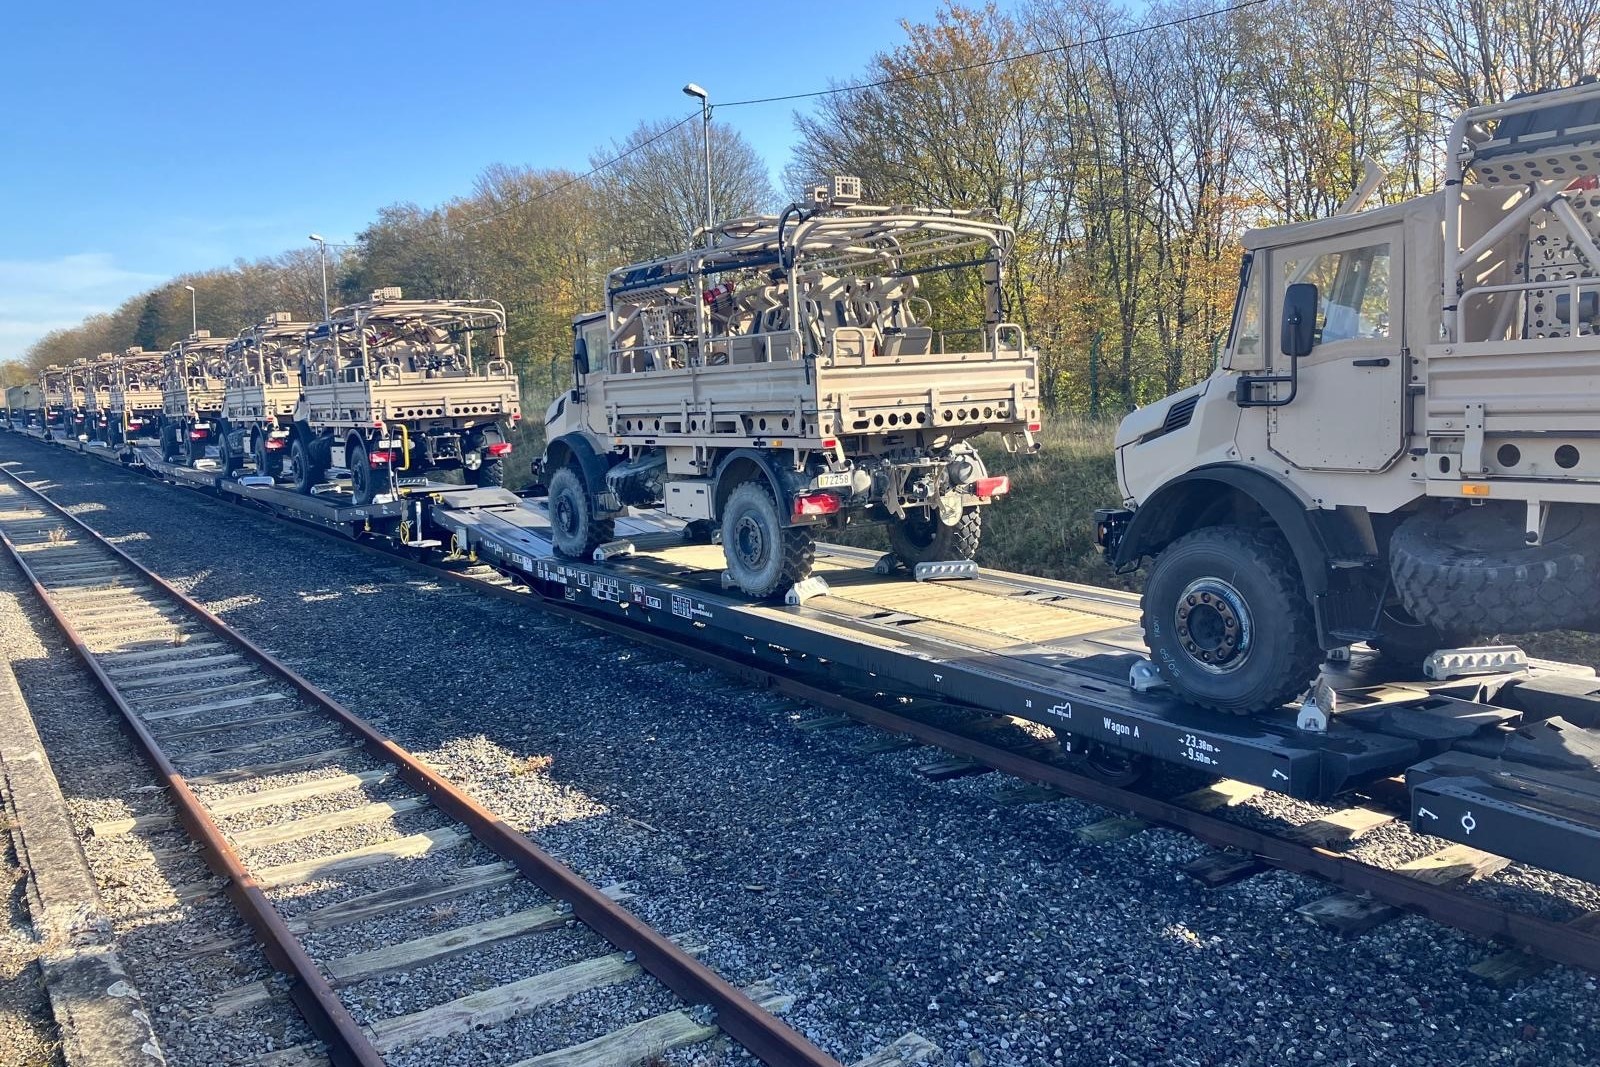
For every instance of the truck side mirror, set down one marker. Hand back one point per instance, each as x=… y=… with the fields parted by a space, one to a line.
x=580 y=357
x=1299 y=331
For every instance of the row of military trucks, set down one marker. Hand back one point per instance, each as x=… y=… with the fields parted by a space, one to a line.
x=1397 y=447
x=386 y=391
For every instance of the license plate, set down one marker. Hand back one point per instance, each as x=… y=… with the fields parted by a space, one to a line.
x=833 y=481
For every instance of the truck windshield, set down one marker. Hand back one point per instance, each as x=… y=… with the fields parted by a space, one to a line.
x=1244 y=335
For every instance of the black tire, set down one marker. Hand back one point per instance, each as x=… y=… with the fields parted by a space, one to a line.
x=169 y=442
x=194 y=448
x=227 y=458
x=268 y=462
x=1470 y=570
x=762 y=554
x=1227 y=620
x=921 y=538
x=491 y=473
x=574 y=531
x=367 y=482
x=307 y=474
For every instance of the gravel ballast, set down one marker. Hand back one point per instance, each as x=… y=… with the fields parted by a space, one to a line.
x=884 y=901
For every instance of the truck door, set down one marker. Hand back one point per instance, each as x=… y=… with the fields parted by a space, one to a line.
x=1348 y=413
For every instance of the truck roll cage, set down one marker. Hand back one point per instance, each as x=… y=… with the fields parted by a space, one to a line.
x=1549 y=144
x=837 y=281
x=268 y=353
x=388 y=339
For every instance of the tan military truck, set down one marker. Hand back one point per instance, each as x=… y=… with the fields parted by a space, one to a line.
x=55 y=388
x=136 y=396
x=97 y=377
x=22 y=402
x=397 y=388
x=797 y=374
x=88 y=391
x=1402 y=443
x=262 y=388
x=192 y=377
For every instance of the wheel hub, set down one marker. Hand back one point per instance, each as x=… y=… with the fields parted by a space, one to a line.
x=749 y=541
x=566 y=517
x=1213 y=624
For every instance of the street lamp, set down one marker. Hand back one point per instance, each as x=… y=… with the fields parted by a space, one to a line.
x=322 y=258
x=194 y=311
x=705 y=139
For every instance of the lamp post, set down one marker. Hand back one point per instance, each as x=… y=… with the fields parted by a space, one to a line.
x=194 y=312
x=322 y=258
x=705 y=139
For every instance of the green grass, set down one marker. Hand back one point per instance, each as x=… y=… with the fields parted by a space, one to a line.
x=1044 y=526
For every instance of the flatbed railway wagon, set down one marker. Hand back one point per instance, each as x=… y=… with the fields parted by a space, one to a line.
x=136 y=397
x=398 y=388
x=794 y=376
x=263 y=387
x=193 y=375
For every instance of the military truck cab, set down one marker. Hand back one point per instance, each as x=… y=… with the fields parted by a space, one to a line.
x=1398 y=446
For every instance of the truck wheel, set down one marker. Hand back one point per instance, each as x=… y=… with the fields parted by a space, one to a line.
x=268 y=462
x=227 y=458
x=1470 y=570
x=195 y=448
x=491 y=472
x=306 y=474
x=1227 y=620
x=921 y=538
x=763 y=555
x=367 y=482
x=169 y=442
x=574 y=530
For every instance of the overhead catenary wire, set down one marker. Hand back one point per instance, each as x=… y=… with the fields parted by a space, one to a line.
x=881 y=82
x=899 y=79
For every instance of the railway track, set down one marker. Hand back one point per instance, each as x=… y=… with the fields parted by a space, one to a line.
x=1436 y=885
x=252 y=755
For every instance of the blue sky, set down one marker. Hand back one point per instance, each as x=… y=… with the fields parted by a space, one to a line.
x=138 y=141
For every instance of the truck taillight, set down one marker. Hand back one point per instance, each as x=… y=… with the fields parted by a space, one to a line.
x=498 y=449
x=379 y=457
x=987 y=487
x=1035 y=427
x=816 y=504
x=830 y=442
x=197 y=435
x=276 y=444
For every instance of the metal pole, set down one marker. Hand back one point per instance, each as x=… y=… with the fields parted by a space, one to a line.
x=705 y=138
x=322 y=260
x=705 y=141
x=194 y=311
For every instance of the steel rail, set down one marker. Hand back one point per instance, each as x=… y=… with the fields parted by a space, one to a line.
x=1555 y=941
x=763 y=1034
x=310 y=991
